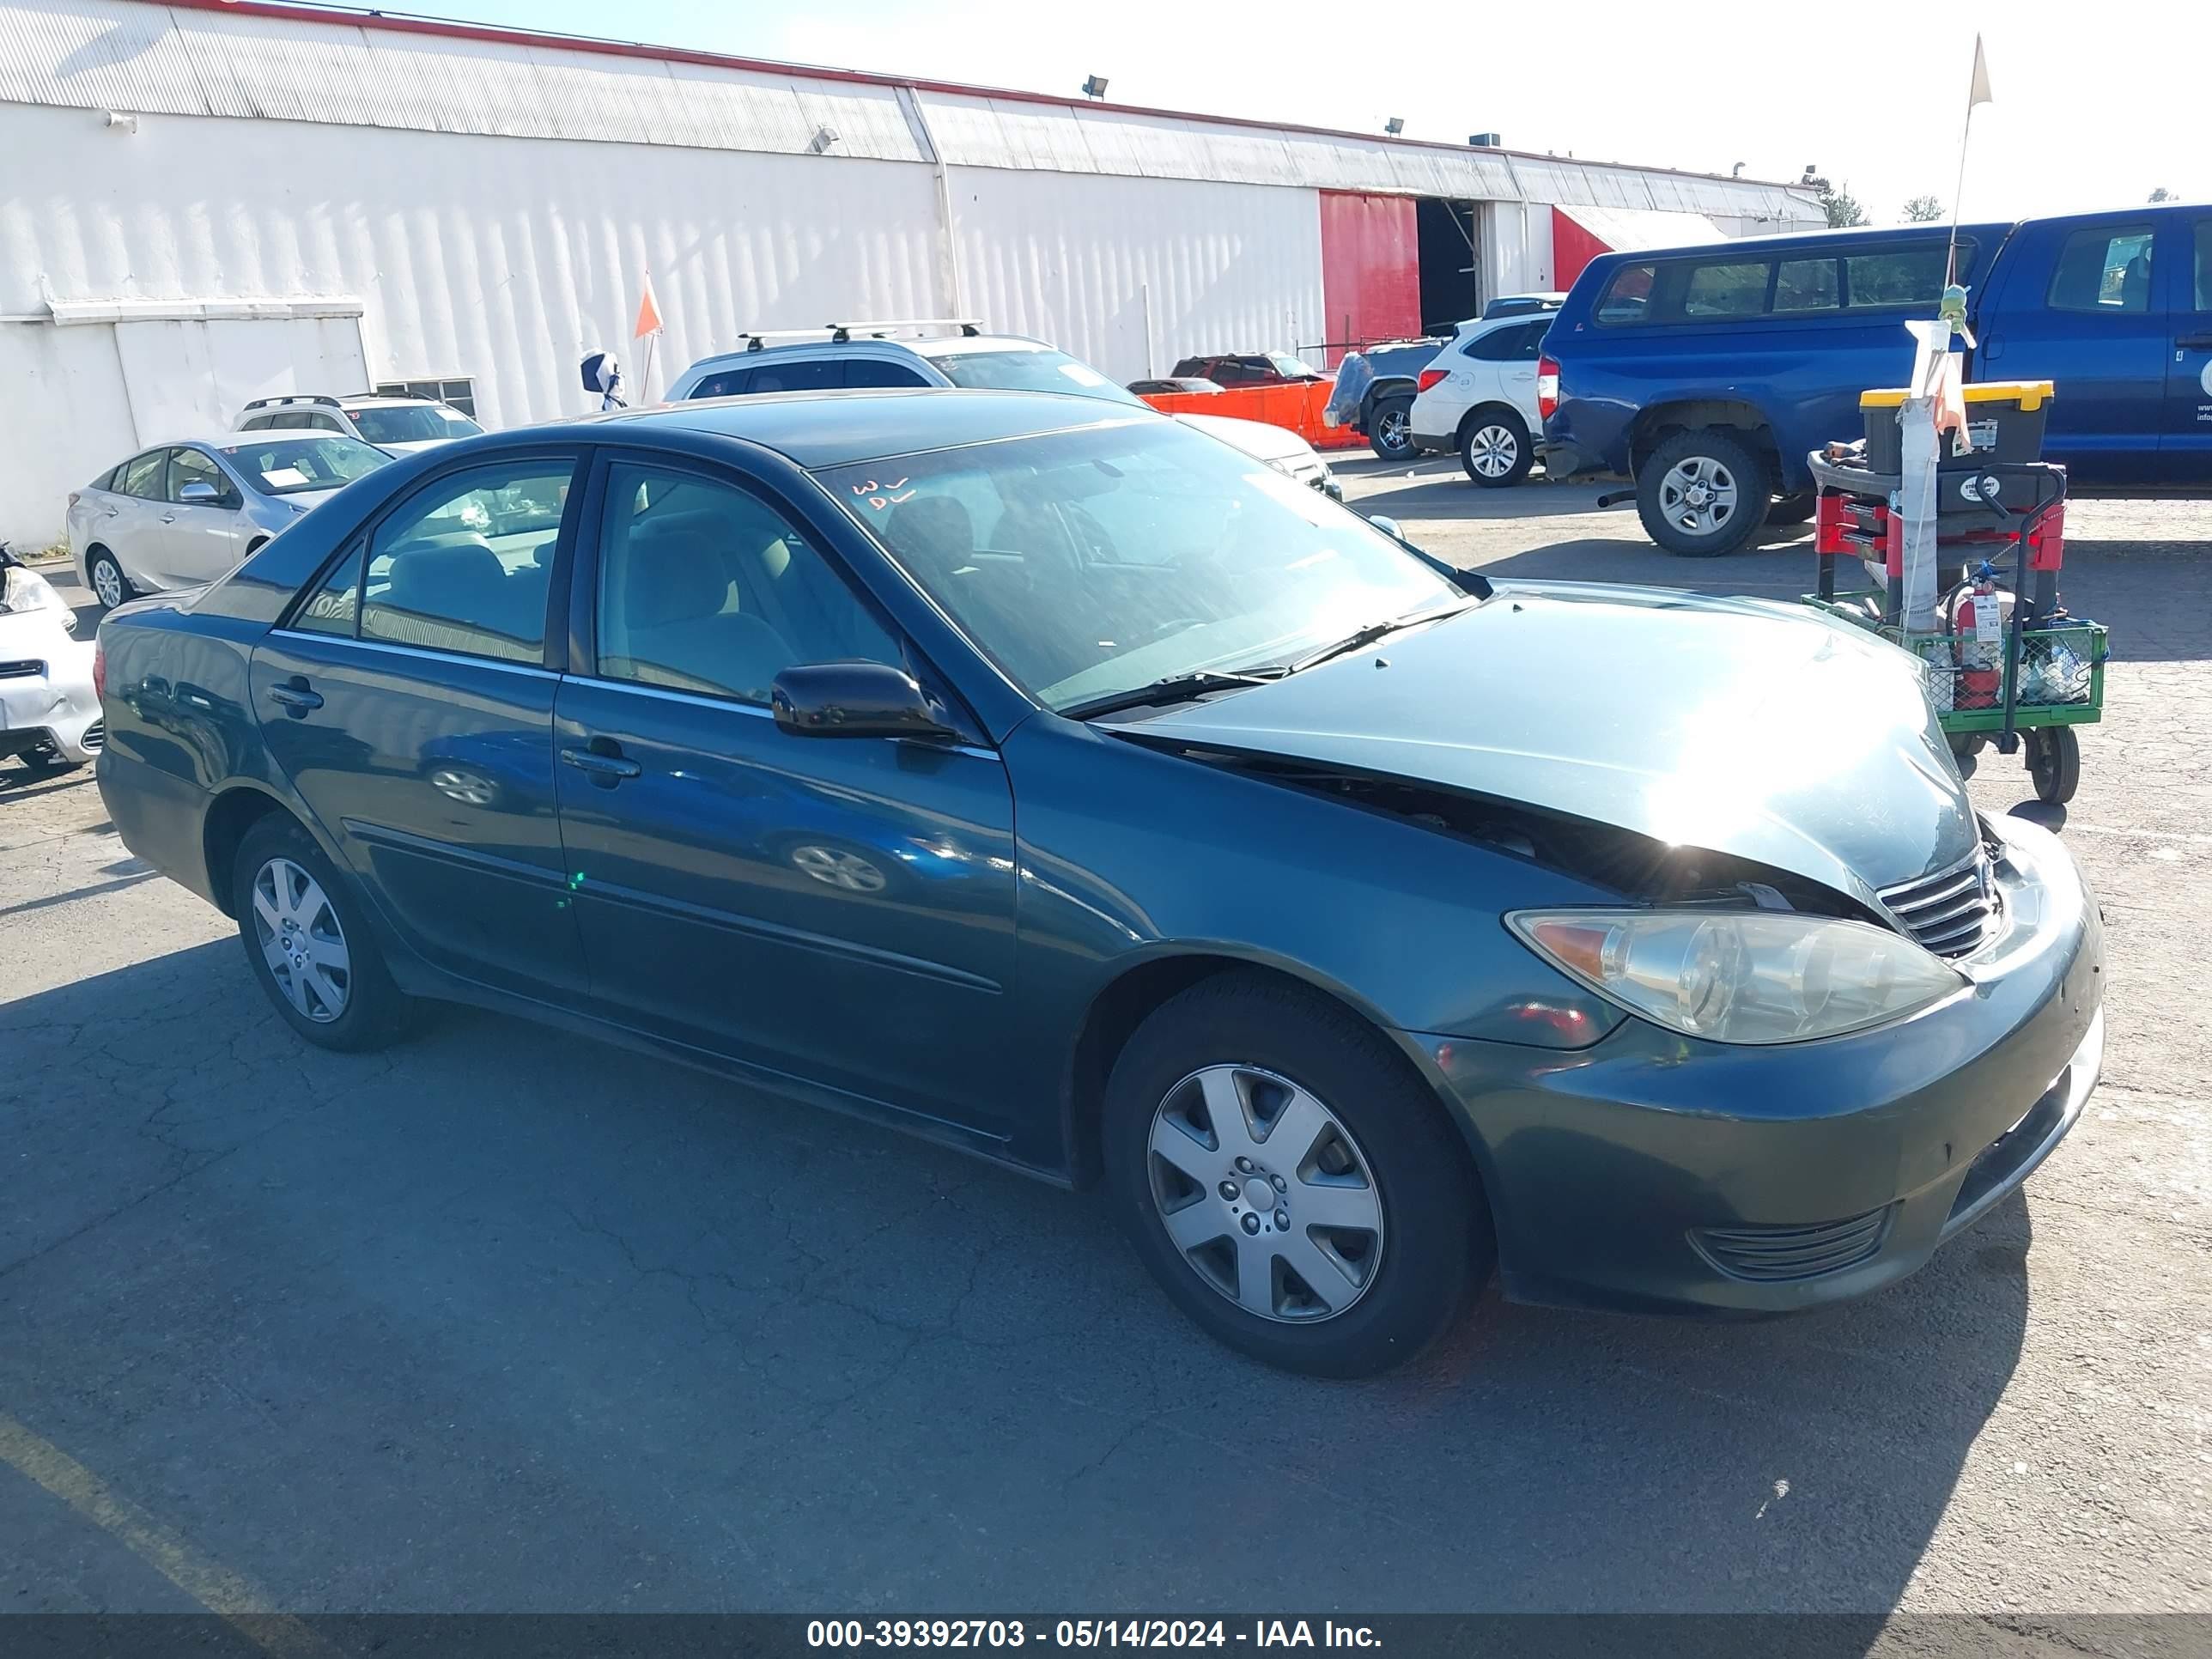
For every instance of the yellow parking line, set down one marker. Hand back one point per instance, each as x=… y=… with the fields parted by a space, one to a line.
x=239 y=1601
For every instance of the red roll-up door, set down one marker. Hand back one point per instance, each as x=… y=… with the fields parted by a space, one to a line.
x=1371 y=275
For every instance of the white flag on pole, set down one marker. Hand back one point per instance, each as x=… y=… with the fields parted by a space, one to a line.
x=1980 y=93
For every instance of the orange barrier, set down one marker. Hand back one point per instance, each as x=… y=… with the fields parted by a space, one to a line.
x=1295 y=405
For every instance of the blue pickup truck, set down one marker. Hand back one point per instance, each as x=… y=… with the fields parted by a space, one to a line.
x=1706 y=373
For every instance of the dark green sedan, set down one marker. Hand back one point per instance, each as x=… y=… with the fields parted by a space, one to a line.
x=1051 y=780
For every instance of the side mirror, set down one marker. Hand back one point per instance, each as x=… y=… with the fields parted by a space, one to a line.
x=1389 y=526
x=853 y=700
x=198 y=494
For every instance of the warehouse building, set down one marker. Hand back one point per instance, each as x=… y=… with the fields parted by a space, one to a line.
x=206 y=202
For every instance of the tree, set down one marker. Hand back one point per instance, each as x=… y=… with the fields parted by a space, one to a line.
x=2161 y=194
x=1842 y=206
x=1923 y=209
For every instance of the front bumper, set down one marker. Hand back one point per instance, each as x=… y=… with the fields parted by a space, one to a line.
x=54 y=706
x=1658 y=1173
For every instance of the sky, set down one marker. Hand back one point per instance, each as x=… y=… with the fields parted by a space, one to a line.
x=2087 y=114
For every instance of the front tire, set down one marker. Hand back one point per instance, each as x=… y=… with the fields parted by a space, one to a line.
x=309 y=944
x=109 y=584
x=1494 y=448
x=1702 y=494
x=1375 y=1236
x=1390 y=430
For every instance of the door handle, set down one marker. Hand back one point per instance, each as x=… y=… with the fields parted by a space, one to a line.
x=604 y=763
x=296 y=697
x=169 y=518
x=2195 y=342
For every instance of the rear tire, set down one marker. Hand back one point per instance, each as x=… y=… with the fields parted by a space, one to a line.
x=297 y=914
x=1703 y=494
x=1369 y=1141
x=105 y=574
x=1390 y=430
x=1494 y=448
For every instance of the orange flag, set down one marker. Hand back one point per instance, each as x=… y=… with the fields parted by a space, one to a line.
x=648 y=312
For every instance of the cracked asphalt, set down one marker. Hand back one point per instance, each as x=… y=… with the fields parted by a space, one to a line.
x=505 y=1319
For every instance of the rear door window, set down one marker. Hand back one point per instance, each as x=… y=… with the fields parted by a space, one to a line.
x=143 y=474
x=801 y=374
x=2103 y=267
x=451 y=571
x=730 y=383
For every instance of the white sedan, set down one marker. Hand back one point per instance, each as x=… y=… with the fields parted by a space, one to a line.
x=1478 y=398
x=185 y=513
x=49 y=709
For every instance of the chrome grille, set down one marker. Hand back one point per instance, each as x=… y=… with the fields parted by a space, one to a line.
x=1952 y=912
x=28 y=670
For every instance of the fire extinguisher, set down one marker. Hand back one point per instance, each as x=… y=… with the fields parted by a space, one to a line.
x=1978 y=614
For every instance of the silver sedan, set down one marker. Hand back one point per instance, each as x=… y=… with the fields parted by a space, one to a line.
x=181 y=513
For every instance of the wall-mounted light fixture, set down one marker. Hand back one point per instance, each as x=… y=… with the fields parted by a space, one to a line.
x=1394 y=125
x=122 y=120
x=820 y=142
x=1094 y=86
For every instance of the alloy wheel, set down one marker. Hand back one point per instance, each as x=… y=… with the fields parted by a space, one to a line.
x=1393 y=429
x=1492 y=451
x=301 y=940
x=1697 y=496
x=1266 y=1194
x=108 y=582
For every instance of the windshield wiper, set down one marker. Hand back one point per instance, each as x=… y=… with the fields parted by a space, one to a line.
x=1173 y=687
x=1373 y=632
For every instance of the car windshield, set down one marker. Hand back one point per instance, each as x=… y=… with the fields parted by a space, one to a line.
x=294 y=465
x=412 y=424
x=1030 y=370
x=1097 y=562
x=1290 y=367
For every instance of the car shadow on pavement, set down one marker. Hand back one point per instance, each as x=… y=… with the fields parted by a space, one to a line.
x=509 y=1318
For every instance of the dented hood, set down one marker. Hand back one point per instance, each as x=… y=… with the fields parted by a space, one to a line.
x=1764 y=731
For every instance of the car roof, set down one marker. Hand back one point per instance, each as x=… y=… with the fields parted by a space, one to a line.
x=832 y=429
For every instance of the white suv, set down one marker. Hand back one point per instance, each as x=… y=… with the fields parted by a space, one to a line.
x=1478 y=397
x=398 y=424
x=866 y=355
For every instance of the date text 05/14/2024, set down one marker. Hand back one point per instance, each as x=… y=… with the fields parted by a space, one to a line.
x=1086 y=1633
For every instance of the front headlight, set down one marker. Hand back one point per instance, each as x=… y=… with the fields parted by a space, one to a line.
x=23 y=591
x=1750 y=976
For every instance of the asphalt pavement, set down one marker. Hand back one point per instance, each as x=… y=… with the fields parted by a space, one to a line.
x=506 y=1319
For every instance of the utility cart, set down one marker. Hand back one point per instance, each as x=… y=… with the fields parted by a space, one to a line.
x=2012 y=668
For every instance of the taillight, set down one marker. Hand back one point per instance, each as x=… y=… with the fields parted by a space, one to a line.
x=1430 y=377
x=74 y=496
x=1548 y=388
x=99 y=668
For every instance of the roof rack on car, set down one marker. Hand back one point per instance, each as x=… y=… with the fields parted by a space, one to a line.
x=758 y=340
x=294 y=397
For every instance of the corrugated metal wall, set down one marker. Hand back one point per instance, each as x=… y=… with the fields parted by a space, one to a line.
x=1078 y=260
x=503 y=265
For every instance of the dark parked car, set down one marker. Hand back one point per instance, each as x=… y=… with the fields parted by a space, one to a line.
x=1149 y=388
x=1044 y=778
x=1374 y=390
x=1522 y=304
x=1247 y=368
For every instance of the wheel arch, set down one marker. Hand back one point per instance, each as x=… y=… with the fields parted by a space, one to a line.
x=1491 y=406
x=230 y=818
x=1124 y=1003
x=1659 y=421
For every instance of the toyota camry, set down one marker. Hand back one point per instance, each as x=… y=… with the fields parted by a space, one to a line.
x=1051 y=780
